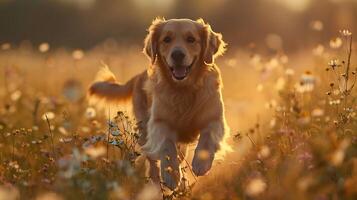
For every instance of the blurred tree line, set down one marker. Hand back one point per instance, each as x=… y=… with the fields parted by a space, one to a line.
x=85 y=23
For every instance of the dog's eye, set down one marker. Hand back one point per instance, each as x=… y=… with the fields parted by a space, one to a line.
x=190 y=39
x=167 y=39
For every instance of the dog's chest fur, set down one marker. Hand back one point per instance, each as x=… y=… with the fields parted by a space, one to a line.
x=185 y=109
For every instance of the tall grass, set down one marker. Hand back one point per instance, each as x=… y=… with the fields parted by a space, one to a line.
x=53 y=145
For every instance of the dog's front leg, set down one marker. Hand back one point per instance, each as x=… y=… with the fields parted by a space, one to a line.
x=161 y=145
x=170 y=166
x=208 y=145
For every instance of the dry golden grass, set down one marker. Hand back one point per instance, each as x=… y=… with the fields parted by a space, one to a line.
x=292 y=117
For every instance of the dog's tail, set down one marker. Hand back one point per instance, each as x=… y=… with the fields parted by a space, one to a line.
x=106 y=88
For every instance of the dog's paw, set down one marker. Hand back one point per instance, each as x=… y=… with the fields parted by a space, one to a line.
x=170 y=167
x=202 y=162
x=170 y=177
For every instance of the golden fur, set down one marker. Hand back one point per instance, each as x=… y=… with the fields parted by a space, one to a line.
x=174 y=111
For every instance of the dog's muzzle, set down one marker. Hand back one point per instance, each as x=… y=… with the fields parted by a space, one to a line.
x=180 y=72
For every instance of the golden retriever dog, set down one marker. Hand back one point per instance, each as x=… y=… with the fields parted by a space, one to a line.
x=178 y=99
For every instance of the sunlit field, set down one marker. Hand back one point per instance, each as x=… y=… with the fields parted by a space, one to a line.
x=290 y=102
x=293 y=121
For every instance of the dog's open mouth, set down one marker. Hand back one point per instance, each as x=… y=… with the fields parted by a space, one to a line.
x=181 y=72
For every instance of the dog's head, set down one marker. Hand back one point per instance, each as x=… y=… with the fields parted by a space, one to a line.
x=182 y=46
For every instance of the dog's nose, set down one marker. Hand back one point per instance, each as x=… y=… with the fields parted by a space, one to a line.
x=177 y=56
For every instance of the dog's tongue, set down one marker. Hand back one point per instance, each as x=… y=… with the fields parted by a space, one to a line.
x=179 y=72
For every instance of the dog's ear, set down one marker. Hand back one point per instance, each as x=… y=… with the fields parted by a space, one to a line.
x=151 y=40
x=213 y=44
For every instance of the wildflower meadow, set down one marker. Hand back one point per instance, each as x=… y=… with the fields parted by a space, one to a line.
x=291 y=104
